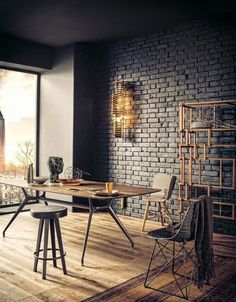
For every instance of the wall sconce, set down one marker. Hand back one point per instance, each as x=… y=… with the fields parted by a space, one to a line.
x=122 y=102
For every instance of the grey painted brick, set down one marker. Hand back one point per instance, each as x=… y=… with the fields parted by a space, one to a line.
x=192 y=61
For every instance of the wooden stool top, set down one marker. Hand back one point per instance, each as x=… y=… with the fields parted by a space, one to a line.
x=48 y=212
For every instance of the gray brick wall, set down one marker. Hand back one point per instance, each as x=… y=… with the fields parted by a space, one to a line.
x=188 y=62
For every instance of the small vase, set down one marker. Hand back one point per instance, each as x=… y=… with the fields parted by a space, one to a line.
x=30 y=174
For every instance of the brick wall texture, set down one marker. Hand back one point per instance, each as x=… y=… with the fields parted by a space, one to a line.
x=189 y=62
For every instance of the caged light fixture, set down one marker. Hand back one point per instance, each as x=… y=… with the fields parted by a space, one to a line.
x=122 y=102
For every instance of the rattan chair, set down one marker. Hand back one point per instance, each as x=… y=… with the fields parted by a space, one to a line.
x=166 y=183
x=166 y=240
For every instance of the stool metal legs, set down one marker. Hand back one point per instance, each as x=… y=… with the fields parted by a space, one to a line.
x=60 y=245
x=45 y=223
x=53 y=242
x=45 y=247
x=40 y=231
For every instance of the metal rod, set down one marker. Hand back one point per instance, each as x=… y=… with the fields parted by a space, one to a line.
x=209 y=138
x=45 y=248
x=53 y=242
x=221 y=172
x=20 y=208
x=233 y=172
x=119 y=223
x=39 y=238
x=181 y=117
x=200 y=171
x=60 y=244
x=87 y=230
x=204 y=152
x=190 y=168
x=209 y=103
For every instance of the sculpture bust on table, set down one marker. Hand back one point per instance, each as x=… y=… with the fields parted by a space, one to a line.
x=55 y=165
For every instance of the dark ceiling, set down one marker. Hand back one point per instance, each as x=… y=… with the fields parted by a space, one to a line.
x=59 y=22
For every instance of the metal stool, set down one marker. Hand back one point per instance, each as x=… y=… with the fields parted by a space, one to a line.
x=49 y=215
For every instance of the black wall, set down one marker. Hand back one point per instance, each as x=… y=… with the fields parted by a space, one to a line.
x=83 y=107
x=23 y=54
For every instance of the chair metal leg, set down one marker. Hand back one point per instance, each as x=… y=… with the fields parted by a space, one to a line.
x=53 y=242
x=145 y=215
x=173 y=255
x=117 y=220
x=59 y=239
x=149 y=264
x=45 y=248
x=155 y=253
x=39 y=238
x=188 y=280
x=181 y=283
x=185 y=273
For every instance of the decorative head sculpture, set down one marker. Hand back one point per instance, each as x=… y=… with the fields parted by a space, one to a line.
x=55 y=165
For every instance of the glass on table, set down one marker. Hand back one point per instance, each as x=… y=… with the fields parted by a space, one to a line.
x=109 y=187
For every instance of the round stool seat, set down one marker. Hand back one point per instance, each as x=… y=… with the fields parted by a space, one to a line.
x=48 y=212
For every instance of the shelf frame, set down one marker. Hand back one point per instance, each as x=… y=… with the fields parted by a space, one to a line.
x=188 y=140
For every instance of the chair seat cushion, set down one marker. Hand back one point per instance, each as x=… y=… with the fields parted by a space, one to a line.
x=156 y=198
x=165 y=234
x=48 y=212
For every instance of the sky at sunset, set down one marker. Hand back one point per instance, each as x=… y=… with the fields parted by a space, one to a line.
x=18 y=106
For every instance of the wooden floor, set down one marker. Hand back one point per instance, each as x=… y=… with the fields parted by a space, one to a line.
x=109 y=260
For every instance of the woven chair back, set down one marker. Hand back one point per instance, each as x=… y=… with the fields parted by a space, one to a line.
x=187 y=229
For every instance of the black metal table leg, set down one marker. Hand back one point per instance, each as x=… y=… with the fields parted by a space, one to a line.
x=43 y=197
x=87 y=231
x=117 y=220
x=21 y=206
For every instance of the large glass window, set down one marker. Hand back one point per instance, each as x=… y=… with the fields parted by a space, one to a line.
x=18 y=103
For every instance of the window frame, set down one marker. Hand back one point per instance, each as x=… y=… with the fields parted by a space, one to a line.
x=37 y=113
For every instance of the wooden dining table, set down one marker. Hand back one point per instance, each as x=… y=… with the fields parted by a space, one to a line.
x=88 y=190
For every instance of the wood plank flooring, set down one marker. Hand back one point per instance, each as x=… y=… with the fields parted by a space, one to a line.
x=109 y=259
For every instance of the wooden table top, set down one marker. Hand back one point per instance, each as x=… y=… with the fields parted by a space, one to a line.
x=86 y=189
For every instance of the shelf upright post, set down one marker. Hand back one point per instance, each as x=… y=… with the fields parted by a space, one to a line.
x=204 y=152
x=209 y=137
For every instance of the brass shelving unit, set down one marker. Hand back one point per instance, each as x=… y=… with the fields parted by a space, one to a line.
x=199 y=147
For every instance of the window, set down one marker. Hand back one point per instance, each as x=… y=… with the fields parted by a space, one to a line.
x=18 y=106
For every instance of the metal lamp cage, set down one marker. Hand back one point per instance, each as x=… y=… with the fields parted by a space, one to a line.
x=122 y=104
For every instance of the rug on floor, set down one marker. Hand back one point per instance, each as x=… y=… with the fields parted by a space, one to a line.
x=222 y=288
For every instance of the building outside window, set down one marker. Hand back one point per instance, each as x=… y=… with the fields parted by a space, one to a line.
x=18 y=104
